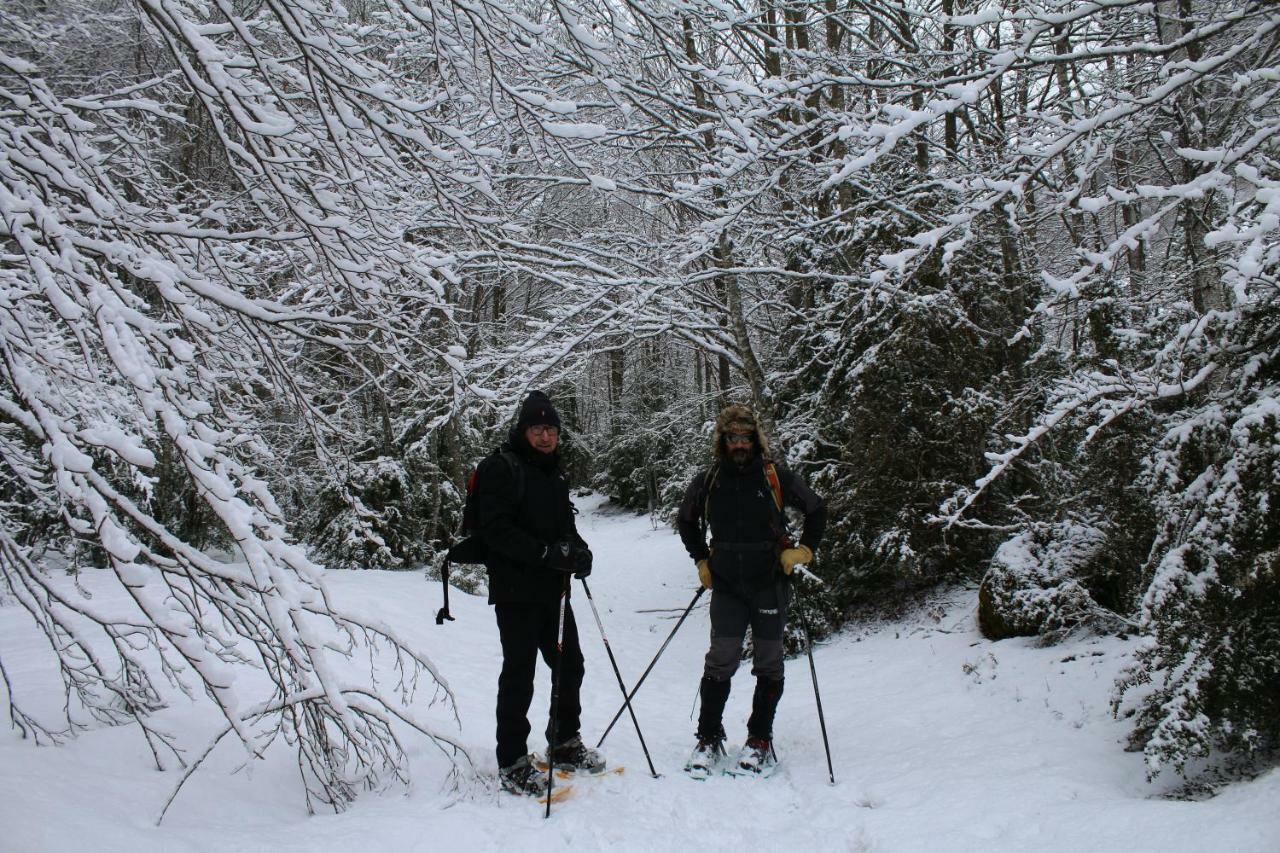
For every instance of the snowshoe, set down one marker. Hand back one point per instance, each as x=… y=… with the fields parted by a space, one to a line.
x=559 y=795
x=706 y=756
x=576 y=757
x=757 y=758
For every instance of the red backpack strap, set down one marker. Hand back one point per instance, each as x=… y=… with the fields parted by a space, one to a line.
x=775 y=485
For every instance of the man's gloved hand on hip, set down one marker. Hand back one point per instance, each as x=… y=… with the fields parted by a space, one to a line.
x=792 y=557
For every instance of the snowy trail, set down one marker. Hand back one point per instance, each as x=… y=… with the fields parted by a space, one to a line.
x=941 y=742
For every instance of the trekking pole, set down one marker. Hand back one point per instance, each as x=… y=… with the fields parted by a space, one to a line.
x=636 y=689
x=626 y=700
x=443 y=613
x=555 y=696
x=813 y=673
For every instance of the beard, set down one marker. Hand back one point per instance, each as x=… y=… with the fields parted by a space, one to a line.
x=741 y=455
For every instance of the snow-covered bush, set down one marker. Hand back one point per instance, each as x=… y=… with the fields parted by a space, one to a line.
x=1207 y=677
x=385 y=514
x=648 y=471
x=890 y=408
x=1037 y=583
x=1084 y=526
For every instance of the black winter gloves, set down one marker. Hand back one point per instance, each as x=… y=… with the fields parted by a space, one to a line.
x=582 y=561
x=559 y=557
x=568 y=558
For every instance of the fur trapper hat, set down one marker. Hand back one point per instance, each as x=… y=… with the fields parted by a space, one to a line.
x=737 y=418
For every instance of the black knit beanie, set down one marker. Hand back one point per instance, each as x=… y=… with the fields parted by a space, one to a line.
x=537 y=409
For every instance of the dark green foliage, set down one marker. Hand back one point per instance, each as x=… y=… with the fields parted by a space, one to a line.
x=28 y=513
x=1086 y=525
x=900 y=423
x=387 y=513
x=649 y=465
x=1208 y=679
x=175 y=503
x=631 y=479
x=1110 y=491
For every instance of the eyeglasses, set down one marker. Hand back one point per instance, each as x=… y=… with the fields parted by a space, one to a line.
x=738 y=438
x=542 y=429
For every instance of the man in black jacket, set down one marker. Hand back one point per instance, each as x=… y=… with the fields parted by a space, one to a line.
x=524 y=520
x=747 y=567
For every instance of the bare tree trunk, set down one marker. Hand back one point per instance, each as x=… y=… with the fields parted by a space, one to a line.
x=727 y=283
x=1174 y=18
x=949 y=125
x=1130 y=211
x=908 y=39
x=617 y=367
x=760 y=397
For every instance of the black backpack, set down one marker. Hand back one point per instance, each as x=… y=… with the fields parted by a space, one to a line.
x=469 y=549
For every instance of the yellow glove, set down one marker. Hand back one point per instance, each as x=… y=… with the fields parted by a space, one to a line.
x=704 y=573
x=792 y=557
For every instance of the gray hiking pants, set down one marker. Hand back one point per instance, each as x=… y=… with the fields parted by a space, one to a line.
x=765 y=611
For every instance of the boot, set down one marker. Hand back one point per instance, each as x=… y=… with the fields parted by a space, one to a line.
x=574 y=755
x=757 y=757
x=706 y=755
x=521 y=777
x=764 y=704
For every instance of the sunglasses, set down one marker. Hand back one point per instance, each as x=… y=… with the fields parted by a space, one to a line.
x=739 y=438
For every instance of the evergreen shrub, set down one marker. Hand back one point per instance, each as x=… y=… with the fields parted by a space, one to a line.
x=1206 y=679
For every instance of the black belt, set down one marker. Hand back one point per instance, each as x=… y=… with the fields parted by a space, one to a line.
x=743 y=546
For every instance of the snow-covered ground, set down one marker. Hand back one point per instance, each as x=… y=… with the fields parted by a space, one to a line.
x=941 y=741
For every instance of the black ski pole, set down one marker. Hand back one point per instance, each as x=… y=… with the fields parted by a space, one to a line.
x=555 y=696
x=626 y=700
x=813 y=673
x=636 y=689
x=443 y=613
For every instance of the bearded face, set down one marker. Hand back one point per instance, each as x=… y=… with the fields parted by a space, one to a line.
x=741 y=445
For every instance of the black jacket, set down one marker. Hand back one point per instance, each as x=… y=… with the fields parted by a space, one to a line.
x=746 y=527
x=515 y=533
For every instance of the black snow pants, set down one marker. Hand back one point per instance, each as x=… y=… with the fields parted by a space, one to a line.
x=525 y=631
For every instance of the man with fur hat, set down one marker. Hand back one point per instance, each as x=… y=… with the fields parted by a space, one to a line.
x=747 y=566
x=524 y=520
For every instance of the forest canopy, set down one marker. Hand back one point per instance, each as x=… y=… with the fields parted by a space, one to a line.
x=1001 y=280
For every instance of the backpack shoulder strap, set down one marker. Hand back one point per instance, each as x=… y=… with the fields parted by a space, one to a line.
x=708 y=483
x=775 y=485
x=775 y=489
x=517 y=471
